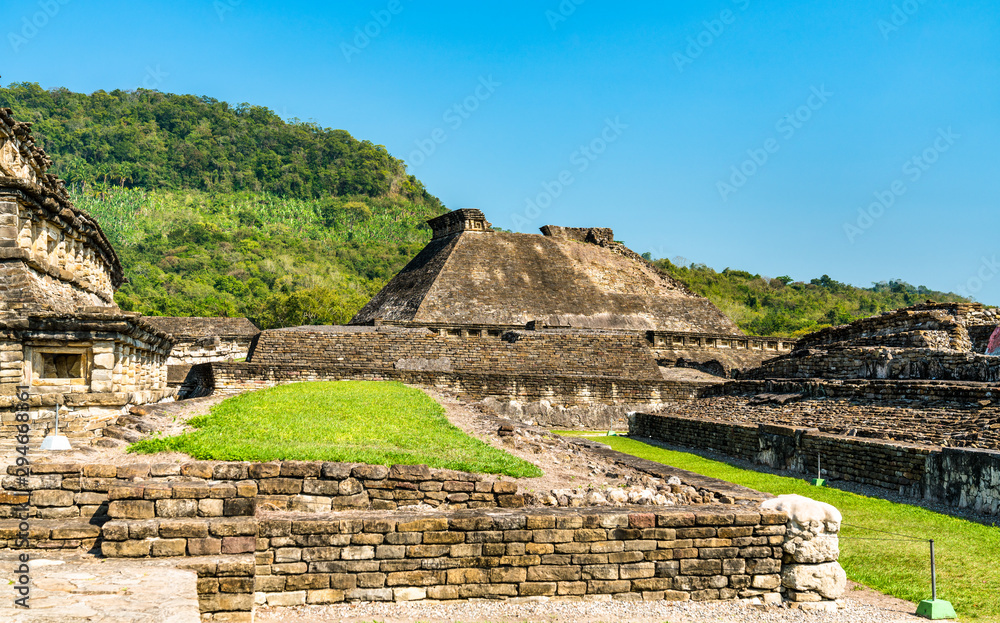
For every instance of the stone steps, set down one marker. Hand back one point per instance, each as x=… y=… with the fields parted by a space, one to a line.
x=48 y=534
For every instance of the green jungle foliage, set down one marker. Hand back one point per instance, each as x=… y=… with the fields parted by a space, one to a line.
x=779 y=306
x=278 y=261
x=154 y=140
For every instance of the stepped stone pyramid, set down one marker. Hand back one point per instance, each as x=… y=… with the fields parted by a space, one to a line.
x=469 y=274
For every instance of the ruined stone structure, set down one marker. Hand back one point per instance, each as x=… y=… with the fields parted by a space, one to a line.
x=205 y=516
x=580 y=278
x=931 y=341
x=203 y=340
x=61 y=334
x=570 y=316
x=905 y=401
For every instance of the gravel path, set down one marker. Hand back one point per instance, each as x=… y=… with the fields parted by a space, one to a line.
x=854 y=611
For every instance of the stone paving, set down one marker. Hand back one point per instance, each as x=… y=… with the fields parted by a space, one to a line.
x=73 y=587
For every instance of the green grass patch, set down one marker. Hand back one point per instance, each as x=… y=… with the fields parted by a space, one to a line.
x=967 y=570
x=381 y=423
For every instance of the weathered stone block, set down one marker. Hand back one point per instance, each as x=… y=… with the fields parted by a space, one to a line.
x=204 y=547
x=176 y=508
x=131 y=509
x=126 y=549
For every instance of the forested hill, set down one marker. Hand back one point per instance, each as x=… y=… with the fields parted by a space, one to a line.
x=158 y=141
x=221 y=210
x=780 y=306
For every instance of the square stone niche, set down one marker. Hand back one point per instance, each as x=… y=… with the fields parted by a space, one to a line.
x=59 y=368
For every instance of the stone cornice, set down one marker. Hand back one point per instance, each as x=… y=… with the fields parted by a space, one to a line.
x=61 y=211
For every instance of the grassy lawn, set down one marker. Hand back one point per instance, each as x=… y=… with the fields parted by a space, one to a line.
x=350 y=421
x=968 y=569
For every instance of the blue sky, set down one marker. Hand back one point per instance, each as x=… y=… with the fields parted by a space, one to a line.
x=777 y=137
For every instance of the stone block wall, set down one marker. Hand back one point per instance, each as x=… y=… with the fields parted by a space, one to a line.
x=46 y=256
x=72 y=490
x=704 y=554
x=958 y=477
x=881 y=390
x=947 y=318
x=119 y=360
x=530 y=353
x=224 y=378
x=881 y=363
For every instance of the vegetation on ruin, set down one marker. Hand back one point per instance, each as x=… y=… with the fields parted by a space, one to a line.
x=966 y=550
x=375 y=422
x=779 y=306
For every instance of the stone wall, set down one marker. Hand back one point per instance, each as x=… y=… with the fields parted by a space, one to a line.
x=881 y=363
x=922 y=392
x=724 y=353
x=903 y=327
x=568 y=390
x=202 y=340
x=961 y=478
x=372 y=349
x=212 y=517
x=703 y=554
x=52 y=255
x=60 y=491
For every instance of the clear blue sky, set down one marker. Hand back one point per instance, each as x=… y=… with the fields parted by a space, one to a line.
x=637 y=116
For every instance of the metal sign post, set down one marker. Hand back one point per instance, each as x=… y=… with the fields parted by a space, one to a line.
x=935 y=608
x=818 y=480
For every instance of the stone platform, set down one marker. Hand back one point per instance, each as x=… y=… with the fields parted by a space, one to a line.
x=70 y=587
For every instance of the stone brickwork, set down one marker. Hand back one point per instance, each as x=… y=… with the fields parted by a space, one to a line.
x=945 y=325
x=119 y=360
x=62 y=338
x=949 y=422
x=202 y=340
x=568 y=277
x=961 y=478
x=213 y=518
x=881 y=363
x=722 y=355
x=52 y=255
x=928 y=341
x=71 y=490
x=704 y=554
x=526 y=353
x=567 y=390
